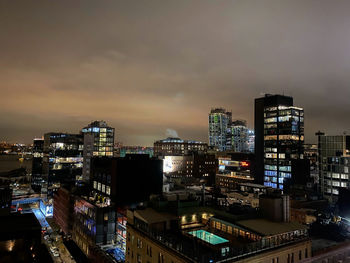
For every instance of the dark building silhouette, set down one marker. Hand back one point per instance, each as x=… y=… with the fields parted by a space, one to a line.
x=63 y=203
x=343 y=202
x=127 y=180
x=5 y=199
x=20 y=238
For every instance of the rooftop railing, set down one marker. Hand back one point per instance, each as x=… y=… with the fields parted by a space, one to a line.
x=196 y=250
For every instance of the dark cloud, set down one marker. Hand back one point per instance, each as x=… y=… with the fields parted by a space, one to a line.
x=148 y=66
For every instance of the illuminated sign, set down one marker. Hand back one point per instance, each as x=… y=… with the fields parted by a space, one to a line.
x=244 y=164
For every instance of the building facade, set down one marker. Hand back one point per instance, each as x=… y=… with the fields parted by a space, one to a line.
x=94 y=223
x=311 y=154
x=237 y=136
x=251 y=141
x=5 y=199
x=176 y=146
x=122 y=151
x=201 y=234
x=63 y=202
x=128 y=180
x=62 y=161
x=279 y=138
x=37 y=164
x=334 y=157
x=191 y=166
x=219 y=121
x=98 y=142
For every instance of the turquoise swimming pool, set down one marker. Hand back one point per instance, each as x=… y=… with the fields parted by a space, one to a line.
x=208 y=237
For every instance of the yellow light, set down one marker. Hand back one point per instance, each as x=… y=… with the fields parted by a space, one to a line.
x=10 y=245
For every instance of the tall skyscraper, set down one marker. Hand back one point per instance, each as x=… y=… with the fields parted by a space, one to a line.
x=219 y=121
x=251 y=141
x=98 y=141
x=279 y=138
x=237 y=136
x=37 y=164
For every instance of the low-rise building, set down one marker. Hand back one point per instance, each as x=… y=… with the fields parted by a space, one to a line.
x=63 y=202
x=190 y=167
x=184 y=232
x=231 y=181
x=303 y=215
x=177 y=146
x=94 y=223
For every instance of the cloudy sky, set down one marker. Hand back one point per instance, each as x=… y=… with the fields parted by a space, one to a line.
x=149 y=66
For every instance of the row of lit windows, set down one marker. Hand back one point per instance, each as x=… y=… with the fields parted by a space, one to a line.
x=274 y=155
x=273 y=179
x=336 y=183
x=102 y=153
x=101 y=187
x=337 y=176
x=281 y=174
x=332 y=191
x=281 y=168
x=284 y=137
x=273 y=185
x=233 y=230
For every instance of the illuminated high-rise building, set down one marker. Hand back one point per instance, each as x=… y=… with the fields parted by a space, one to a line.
x=251 y=141
x=219 y=121
x=237 y=136
x=98 y=142
x=62 y=161
x=279 y=138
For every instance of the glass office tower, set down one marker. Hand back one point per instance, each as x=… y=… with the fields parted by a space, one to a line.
x=237 y=136
x=98 y=142
x=283 y=141
x=62 y=161
x=219 y=121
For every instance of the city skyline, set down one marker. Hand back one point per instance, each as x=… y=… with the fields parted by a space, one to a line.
x=150 y=66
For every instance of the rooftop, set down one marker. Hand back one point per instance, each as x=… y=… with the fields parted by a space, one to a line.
x=269 y=228
x=151 y=216
x=178 y=140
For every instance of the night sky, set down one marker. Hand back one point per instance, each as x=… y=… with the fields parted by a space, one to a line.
x=150 y=67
